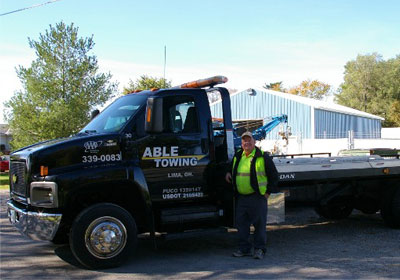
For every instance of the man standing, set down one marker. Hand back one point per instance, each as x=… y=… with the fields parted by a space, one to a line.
x=254 y=177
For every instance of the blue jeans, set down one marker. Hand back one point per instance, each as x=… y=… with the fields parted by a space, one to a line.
x=251 y=210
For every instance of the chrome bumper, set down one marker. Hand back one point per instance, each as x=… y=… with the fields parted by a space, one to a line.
x=35 y=225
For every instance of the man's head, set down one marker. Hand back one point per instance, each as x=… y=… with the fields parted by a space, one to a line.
x=248 y=142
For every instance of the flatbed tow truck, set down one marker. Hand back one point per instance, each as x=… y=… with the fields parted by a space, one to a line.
x=153 y=162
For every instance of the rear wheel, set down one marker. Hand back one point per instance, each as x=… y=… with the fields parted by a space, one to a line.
x=103 y=236
x=367 y=204
x=336 y=209
x=390 y=211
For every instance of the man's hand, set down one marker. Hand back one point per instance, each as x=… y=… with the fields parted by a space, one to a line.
x=228 y=177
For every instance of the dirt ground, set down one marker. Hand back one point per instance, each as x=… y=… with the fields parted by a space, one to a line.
x=305 y=246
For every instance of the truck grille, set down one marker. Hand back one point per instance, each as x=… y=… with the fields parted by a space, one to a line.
x=18 y=178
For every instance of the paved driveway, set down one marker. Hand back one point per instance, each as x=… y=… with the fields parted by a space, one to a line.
x=304 y=247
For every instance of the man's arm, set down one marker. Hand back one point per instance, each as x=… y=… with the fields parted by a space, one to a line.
x=228 y=177
x=228 y=173
x=272 y=174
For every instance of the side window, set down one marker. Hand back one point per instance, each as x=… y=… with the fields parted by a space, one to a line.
x=180 y=115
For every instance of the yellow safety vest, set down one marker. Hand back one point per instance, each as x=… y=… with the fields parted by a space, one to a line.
x=247 y=183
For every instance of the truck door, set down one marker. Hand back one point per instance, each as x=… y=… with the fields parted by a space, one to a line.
x=174 y=161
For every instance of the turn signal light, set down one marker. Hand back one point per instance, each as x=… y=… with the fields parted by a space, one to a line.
x=386 y=171
x=44 y=171
x=148 y=117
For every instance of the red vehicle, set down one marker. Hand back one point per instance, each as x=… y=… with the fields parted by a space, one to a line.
x=4 y=164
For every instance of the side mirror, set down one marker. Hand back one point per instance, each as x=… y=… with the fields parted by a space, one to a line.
x=154 y=115
x=94 y=114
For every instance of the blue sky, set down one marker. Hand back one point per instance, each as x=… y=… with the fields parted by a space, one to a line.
x=250 y=42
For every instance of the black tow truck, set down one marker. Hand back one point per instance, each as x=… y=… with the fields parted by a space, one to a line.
x=153 y=161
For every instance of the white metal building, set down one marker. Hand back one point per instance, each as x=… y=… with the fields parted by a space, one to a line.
x=310 y=118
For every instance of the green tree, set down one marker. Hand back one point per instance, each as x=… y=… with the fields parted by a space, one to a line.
x=60 y=88
x=394 y=115
x=390 y=92
x=312 y=89
x=146 y=82
x=277 y=86
x=372 y=85
x=361 y=80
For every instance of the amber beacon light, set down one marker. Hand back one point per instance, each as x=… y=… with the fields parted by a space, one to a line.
x=208 y=82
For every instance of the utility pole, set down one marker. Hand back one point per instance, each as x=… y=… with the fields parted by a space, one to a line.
x=165 y=62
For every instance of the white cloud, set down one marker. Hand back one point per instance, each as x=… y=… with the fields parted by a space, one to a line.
x=10 y=82
x=123 y=71
x=291 y=63
x=239 y=77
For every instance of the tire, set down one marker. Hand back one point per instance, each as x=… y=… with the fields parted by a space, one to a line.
x=368 y=205
x=103 y=236
x=336 y=209
x=369 y=211
x=390 y=210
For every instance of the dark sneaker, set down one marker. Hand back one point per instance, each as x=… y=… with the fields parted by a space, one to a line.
x=239 y=253
x=258 y=254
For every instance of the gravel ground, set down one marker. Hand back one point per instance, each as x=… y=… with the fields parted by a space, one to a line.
x=305 y=246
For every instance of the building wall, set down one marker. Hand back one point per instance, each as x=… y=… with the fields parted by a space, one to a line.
x=263 y=105
x=332 y=125
x=5 y=140
x=5 y=137
x=305 y=121
x=391 y=132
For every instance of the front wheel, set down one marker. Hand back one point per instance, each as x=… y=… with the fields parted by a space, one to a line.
x=103 y=236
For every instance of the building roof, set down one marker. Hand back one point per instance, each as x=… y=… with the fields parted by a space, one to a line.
x=317 y=104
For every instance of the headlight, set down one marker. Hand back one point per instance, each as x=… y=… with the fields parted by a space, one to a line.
x=44 y=194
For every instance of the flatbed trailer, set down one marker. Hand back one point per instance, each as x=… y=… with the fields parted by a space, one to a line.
x=337 y=185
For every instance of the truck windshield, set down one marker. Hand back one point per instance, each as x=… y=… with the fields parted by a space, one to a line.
x=116 y=115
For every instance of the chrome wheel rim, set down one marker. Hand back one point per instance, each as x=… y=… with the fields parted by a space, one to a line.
x=105 y=237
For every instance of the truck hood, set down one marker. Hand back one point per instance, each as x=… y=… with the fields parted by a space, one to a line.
x=78 y=151
x=41 y=145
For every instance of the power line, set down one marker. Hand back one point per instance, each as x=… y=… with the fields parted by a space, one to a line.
x=31 y=7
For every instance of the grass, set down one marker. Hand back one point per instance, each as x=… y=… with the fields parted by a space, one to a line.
x=4 y=181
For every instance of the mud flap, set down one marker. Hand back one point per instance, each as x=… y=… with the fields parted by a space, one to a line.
x=276 y=208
